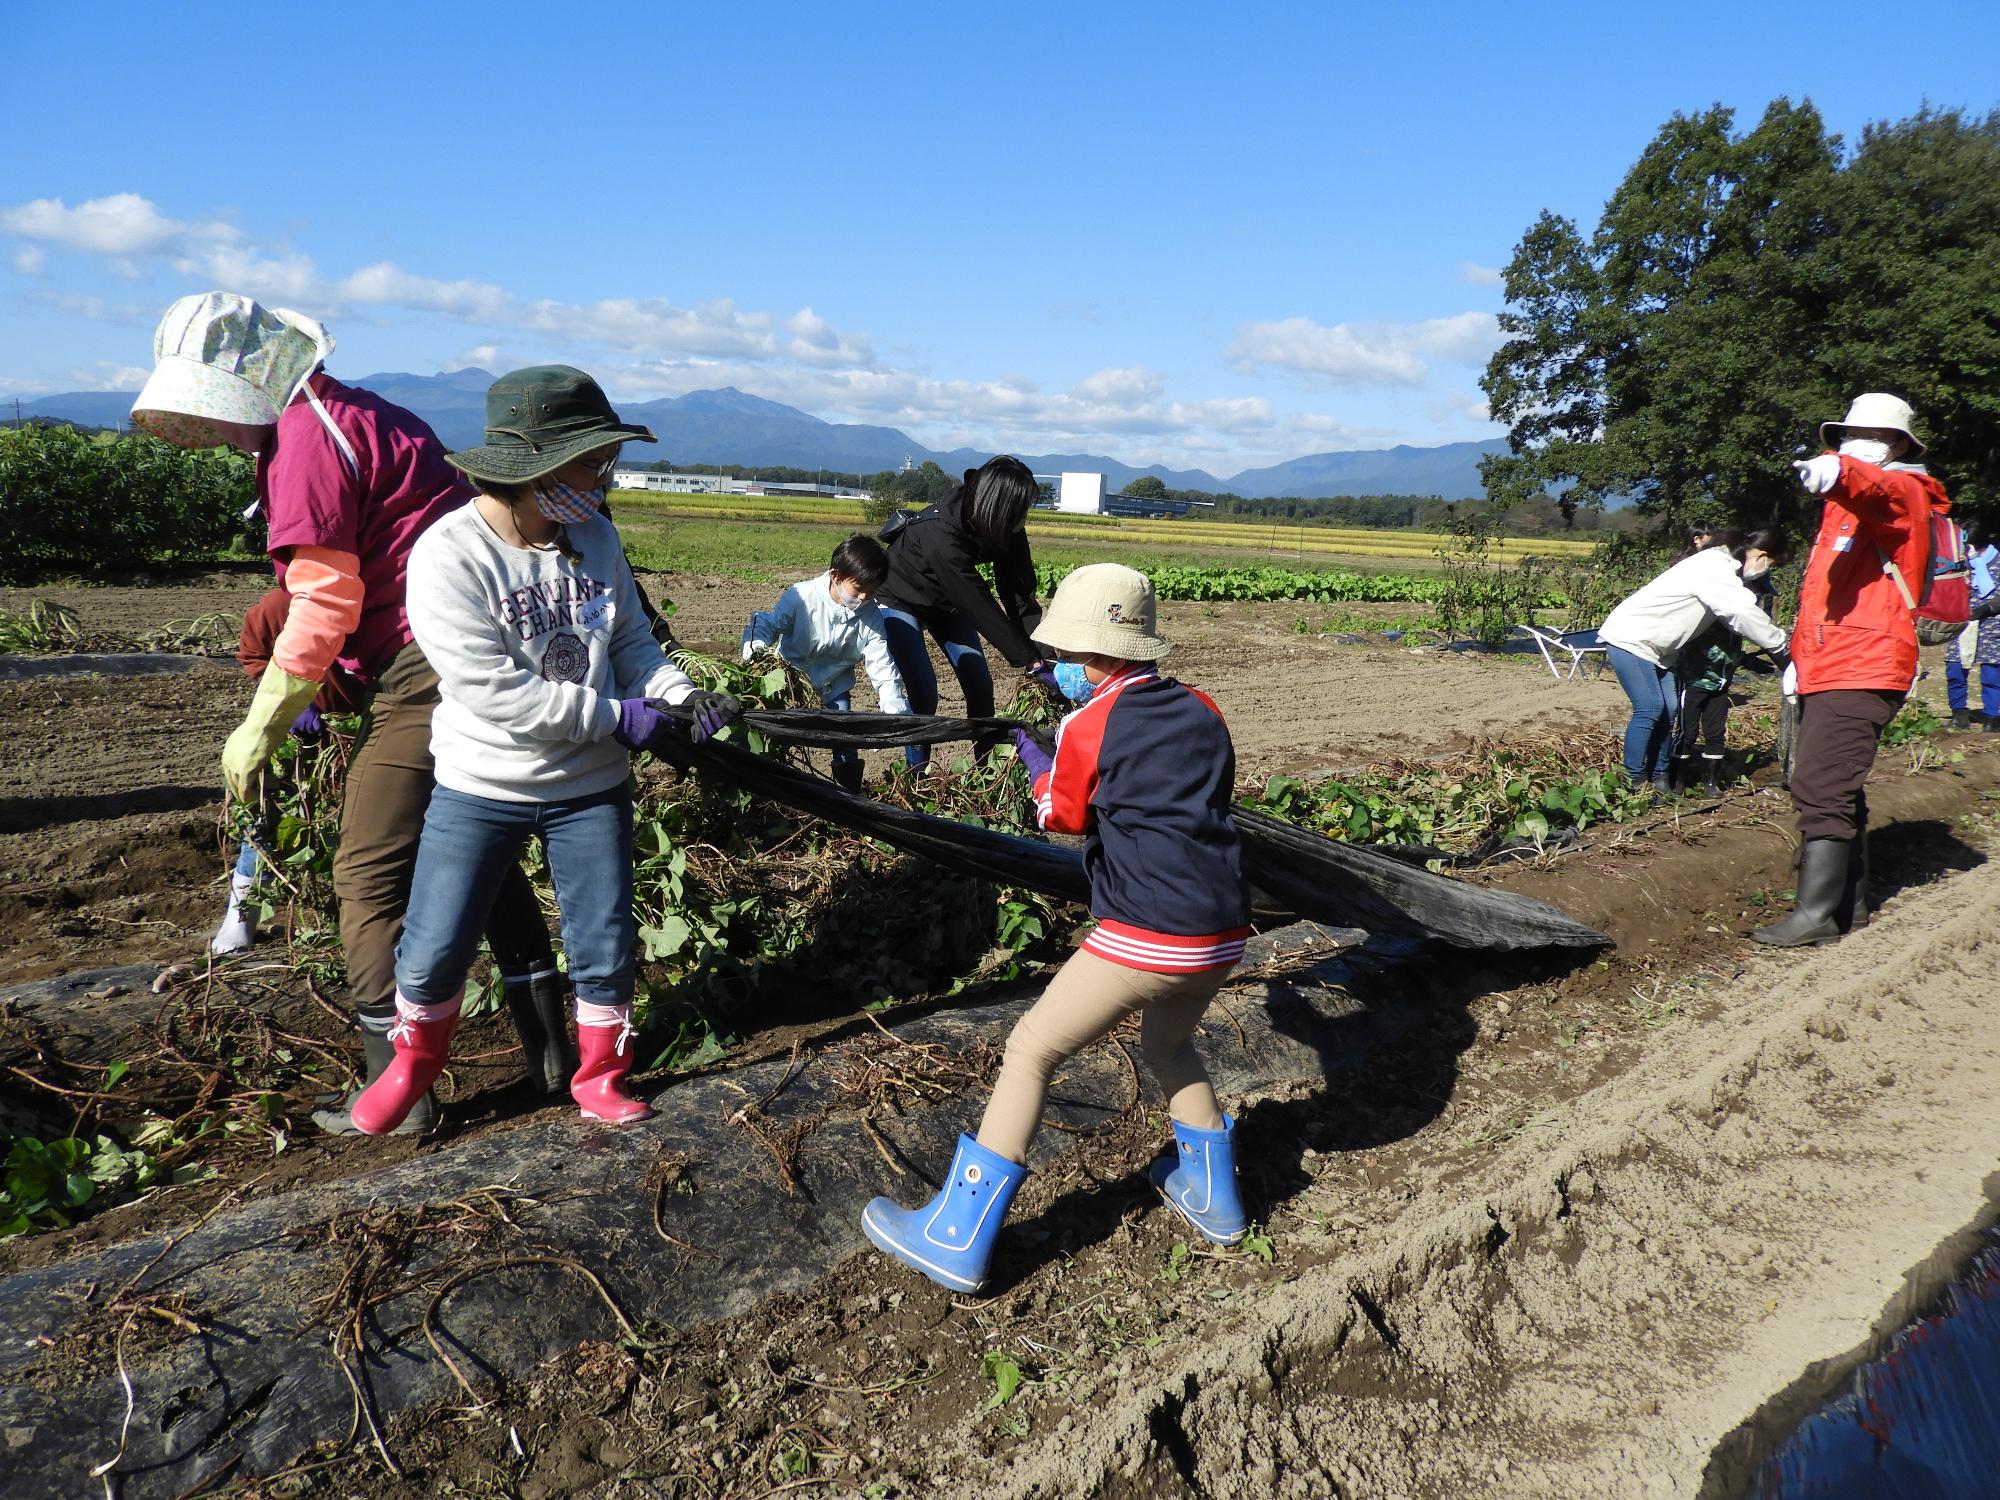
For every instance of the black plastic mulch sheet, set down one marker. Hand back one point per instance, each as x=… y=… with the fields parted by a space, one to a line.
x=1306 y=874
x=268 y=1281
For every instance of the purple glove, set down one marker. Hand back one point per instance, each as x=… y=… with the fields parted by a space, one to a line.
x=713 y=712
x=308 y=725
x=1045 y=674
x=1033 y=756
x=638 y=722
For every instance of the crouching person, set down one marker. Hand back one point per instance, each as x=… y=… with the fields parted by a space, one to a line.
x=524 y=603
x=1145 y=771
x=824 y=626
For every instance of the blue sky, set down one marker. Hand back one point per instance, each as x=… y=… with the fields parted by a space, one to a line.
x=1213 y=235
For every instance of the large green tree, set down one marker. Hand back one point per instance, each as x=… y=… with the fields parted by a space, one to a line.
x=1739 y=289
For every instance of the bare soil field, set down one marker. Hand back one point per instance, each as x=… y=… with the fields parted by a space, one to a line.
x=1569 y=1227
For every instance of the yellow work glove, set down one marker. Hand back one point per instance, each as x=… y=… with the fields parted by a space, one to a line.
x=279 y=698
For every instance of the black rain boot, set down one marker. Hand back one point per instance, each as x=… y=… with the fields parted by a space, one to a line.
x=1680 y=773
x=1961 y=718
x=539 y=1007
x=847 y=775
x=378 y=1052
x=1853 y=912
x=1711 y=775
x=1822 y=883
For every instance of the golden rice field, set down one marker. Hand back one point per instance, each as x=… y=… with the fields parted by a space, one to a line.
x=1269 y=538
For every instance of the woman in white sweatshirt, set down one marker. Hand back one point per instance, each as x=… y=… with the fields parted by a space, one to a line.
x=1647 y=631
x=524 y=604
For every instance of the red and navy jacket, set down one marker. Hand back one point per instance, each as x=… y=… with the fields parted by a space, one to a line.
x=1146 y=771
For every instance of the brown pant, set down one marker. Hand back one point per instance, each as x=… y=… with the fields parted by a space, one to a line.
x=1838 y=735
x=1089 y=996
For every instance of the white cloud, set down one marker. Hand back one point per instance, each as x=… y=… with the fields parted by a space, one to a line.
x=1472 y=273
x=478 y=357
x=1362 y=355
x=30 y=260
x=97 y=309
x=122 y=224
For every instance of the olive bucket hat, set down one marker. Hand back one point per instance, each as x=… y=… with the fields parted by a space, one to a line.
x=540 y=418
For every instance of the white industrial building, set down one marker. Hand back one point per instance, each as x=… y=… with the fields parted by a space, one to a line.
x=722 y=484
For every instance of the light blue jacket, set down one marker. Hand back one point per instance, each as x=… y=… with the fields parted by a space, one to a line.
x=825 y=639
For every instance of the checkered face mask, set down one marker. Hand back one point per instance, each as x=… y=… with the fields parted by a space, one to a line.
x=566 y=505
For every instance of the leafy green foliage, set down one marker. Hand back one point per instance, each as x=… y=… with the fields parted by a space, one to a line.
x=1916 y=722
x=69 y=501
x=1005 y=1373
x=1738 y=290
x=43 y=626
x=44 y=1183
x=1331 y=587
x=1466 y=805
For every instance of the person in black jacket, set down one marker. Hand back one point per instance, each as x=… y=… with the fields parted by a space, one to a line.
x=934 y=585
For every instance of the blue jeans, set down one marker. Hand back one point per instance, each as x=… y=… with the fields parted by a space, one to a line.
x=469 y=845
x=913 y=662
x=1955 y=684
x=246 y=857
x=840 y=703
x=1649 y=736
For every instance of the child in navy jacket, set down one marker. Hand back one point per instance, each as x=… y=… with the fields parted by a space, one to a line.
x=1145 y=771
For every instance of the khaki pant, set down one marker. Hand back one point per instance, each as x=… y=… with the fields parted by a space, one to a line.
x=381 y=819
x=1087 y=998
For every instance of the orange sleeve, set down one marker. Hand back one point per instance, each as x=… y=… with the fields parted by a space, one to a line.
x=325 y=586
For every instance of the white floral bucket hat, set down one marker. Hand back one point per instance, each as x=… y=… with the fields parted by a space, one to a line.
x=223 y=357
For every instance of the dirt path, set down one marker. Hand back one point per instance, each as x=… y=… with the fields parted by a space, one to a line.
x=1594 y=1305
x=1567 y=1236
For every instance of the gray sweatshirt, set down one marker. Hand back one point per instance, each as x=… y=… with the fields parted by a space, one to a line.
x=533 y=652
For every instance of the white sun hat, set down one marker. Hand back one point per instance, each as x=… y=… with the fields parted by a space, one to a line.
x=224 y=357
x=1104 y=609
x=1875 y=409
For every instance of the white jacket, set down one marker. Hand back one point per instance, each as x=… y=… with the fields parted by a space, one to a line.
x=1663 y=616
x=824 y=640
x=533 y=652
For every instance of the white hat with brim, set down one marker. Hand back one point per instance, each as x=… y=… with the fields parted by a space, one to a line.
x=1877 y=409
x=222 y=357
x=1104 y=609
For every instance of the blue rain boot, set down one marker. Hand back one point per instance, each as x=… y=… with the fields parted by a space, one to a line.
x=1202 y=1187
x=950 y=1239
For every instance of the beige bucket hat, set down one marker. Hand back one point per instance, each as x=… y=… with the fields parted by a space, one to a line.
x=1104 y=609
x=224 y=357
x=1875 y=409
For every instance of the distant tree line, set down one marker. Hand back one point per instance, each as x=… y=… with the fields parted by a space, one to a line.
x=1737 y=291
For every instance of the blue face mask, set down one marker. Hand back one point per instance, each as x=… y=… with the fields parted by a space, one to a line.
x=1074 y=685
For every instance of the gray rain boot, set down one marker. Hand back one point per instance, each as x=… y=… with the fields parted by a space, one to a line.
x=539 y=1005
x=1822 y=883
x=379 y=1052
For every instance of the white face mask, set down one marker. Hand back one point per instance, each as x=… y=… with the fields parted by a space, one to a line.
x=846 y=600
x=1751 y=574
x=1868 y=450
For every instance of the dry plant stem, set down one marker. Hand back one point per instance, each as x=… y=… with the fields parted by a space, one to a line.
x=367 y=1410
x=660 y=1224
x=504 y=1263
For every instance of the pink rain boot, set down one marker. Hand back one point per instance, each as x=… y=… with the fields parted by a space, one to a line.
x=604 y=1037
x=422 y=1037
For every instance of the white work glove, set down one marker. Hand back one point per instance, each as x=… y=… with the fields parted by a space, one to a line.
x=1790 y=681
x=1818 y=474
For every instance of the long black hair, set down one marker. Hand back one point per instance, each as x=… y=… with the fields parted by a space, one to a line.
x=997 y=496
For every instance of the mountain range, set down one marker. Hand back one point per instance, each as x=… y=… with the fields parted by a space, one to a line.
x=729 y=426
